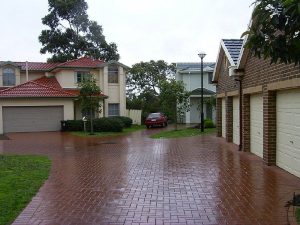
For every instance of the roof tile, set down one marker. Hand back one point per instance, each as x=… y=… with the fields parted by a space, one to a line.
x=42 y=87
x=84 y=62
x=234 y=47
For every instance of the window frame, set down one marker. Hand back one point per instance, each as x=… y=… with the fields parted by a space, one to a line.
x=6 y=81
x=113 y=74
x=81 y=73
x=115 y=110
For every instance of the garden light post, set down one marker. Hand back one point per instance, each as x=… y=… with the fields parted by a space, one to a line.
x=202 y=55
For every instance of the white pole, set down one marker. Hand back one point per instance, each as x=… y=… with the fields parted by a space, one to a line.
x=27 y=78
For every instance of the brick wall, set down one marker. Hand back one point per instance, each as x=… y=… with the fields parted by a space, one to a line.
x=229 y=118
x=269 y=142
x=219 y=117
x=257 y=72
x=260 y=72
x=225 y=83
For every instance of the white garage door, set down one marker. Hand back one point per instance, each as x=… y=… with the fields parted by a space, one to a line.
x=256 y=124
x=32 y=119
x=223 y=118
x=236 y=120
x=288 y=131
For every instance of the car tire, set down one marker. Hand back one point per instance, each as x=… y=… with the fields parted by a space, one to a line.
x=148 y=126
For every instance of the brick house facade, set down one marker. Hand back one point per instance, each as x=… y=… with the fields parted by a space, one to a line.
x=269 y=91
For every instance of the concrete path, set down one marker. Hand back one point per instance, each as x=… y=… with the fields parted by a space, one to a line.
x=137 y=180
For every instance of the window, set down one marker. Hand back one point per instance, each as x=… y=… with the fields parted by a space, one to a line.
x=9 y=77
x=81 y=76
x=113 y=74
x=113 y=109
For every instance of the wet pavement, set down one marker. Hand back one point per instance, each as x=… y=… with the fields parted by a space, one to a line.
x=137 y=180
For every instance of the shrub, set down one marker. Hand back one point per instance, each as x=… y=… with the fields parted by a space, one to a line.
x=125 y=120
x=108 y=125
x=72 y=125
x=208 y=123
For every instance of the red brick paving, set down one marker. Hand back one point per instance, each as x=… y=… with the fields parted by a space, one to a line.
x=138 y=180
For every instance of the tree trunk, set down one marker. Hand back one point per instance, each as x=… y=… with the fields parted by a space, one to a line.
x=91 y=117
x=176 y=128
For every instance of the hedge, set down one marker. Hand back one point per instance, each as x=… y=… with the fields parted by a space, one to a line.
x=105 y=124
x=125 y=120
x=208 y=123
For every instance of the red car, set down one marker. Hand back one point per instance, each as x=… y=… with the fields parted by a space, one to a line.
x=156 y=119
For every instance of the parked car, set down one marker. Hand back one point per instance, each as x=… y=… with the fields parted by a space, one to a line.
x=156 y=119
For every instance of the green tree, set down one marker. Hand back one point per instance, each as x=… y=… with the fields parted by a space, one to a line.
x=274 y=31
x=143 y=89
x=174 y=98
x=90 y=97
x=145 y=76
x=71 y=34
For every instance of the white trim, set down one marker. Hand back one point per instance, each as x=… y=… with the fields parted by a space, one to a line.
x=217 y=61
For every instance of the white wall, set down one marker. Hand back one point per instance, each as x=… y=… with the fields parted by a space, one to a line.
x=193 y=81
x=135 y=115
x=31 y=76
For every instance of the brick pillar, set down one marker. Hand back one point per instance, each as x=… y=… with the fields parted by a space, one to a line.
x=219 y=117
x=246 y=123
x=229 y=119
x=269 y=112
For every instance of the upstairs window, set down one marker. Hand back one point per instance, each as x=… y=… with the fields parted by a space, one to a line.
x=9 y=77
x=113 y=74
x=81 y=76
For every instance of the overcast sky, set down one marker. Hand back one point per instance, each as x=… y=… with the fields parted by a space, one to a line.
x=172 y=30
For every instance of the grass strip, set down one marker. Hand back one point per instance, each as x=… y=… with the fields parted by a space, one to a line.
x=20 y=179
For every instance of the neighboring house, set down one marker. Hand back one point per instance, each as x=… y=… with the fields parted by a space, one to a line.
x=264 y=99
x=37 y=96
x=190 y=74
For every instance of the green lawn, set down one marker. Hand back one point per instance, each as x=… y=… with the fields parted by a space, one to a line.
x=131 y=129
x=20 y=179
x=188 y=132
x=298 y=215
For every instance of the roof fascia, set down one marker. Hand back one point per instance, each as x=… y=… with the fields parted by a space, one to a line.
x=217 y=66
x=9 y=63
x=114 y=62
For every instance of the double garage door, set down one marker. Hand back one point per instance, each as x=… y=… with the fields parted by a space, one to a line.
x=32 y=119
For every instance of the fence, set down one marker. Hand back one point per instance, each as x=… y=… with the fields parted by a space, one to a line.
x=135 y=115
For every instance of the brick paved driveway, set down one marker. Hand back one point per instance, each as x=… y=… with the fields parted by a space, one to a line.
x=137 y=180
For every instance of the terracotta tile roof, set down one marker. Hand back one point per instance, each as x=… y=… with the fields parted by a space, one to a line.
x=83 y=62
x=37 y=66
x=76 y=92
x=42 y=87
x=48 y=81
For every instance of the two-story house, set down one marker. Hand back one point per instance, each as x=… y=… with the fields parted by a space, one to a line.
x=190 y=74
x=37 y=96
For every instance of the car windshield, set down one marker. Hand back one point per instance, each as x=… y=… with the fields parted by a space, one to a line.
x=154 y=115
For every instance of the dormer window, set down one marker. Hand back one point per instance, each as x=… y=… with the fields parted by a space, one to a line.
x=9 y=77
x=113 y=74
